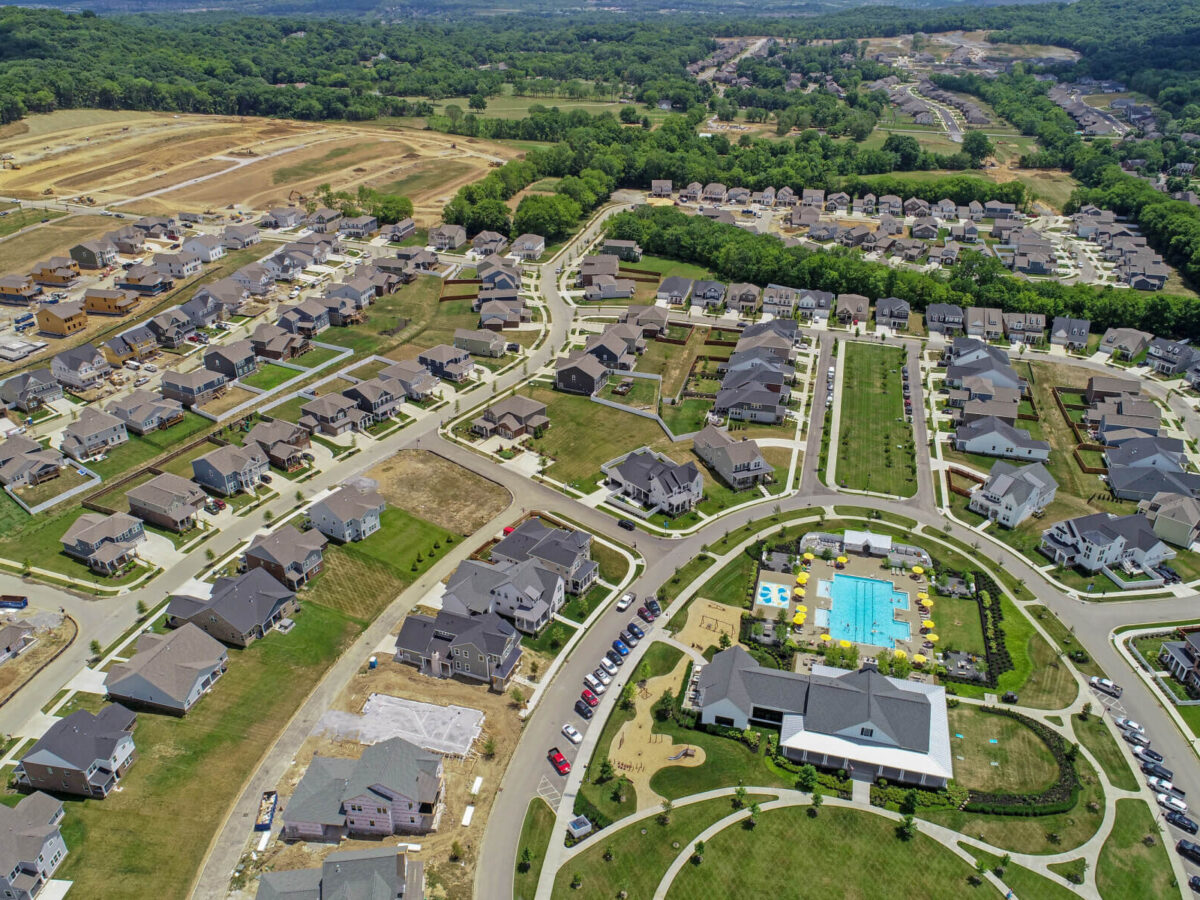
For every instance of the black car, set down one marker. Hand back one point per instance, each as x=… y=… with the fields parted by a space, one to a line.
x=653 y=606
x=585 y=711
x=1145 y=753
x=635 y=629
x=1188 y=850
x=1153 y=768
x=615 y=658
x=627 y=525
x=1182 y=822
x=1010 y=697
x=1194 y=883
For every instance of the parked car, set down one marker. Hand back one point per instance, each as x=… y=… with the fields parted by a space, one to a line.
x=221 y=504
x=603 y=677
x=572 y=733
x=645 y=615
x=653 y=606
x=1194 y=883
x=583 y=710
x=1136 y=737
x=150 y=367
x=594 y=683
x=614 y=657
x=1153 y=768
x=1162 y=785
x=589 y=698
x=1010 y=697
x=1148 y=754
x=621 y=647
x=635 y=629
x=626 y=601
x=627 y=525
x=266 y=477
x=1166 y=801
x=629 y=639
x=561 y=766
x=1128 y=724
x=138 y=382
x=1188 y=850
x=607 y=666
x=1108 y=687
x=1182 y=822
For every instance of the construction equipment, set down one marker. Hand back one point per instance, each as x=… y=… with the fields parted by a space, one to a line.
x=9 y=164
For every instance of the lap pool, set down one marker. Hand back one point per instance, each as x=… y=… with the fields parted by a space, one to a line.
x=863 y=611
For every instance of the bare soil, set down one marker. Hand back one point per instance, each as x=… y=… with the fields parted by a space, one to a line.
x=439 y=491
x=48 y=642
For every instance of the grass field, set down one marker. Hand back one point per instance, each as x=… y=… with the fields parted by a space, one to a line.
x=428 y=322
x=142 y=448
x=688 y=572
x=740 y=862
x=270 y=376
x=317 y=355
x=663 y=268
x=23 y=218
x=996 y=753
x=1065 y=640
x=874 y=450
x=427 y=177
x=728 y=586
x=535 y=835
x=1127 y=866
x=68 y=478
x=1024 y=882
x=1094 y=735
x=673 y=362
x=53 y=238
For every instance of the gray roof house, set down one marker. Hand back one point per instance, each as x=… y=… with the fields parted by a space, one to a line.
x=307 y=319
x=105 y=543
x=779 y=300
x=393 y=788
x=23 y=461
x=333 y=414
x=564 y=551
x=751 y=396
x=739 y=464
x=480 y=342
x=863 y=721
x=1143 y=483
x=168 y=501
x=282 y=441
x=528 y=246
x=232 y=360
x=447 y=237
x=991 y=436
x=348 y=514
x=1103 y=541
x=709 y=294
x=1068 y=332
x=944 y=318
x=239 y=609
x=969 y=357
x=80 y=368
x=483 y=648
x=31 y=845
x=511 y=418
x=444 y=361
x=230 y=469
x=1175 y=517
x=144 y=412
x=656 y=481
x=524 y=592
x=92 y=433
x=84 y=754
x=30 y=390
x=194 y=388
x=373 y=874
x=168 y=672
x=892 y=312
x=416 y=381
x=676 y=289
x=291 y=556
x=1124 y=343
x=1013 y=493
x=379 y=398
x=580 y=372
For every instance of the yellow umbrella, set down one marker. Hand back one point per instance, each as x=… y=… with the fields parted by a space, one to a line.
x=932 y=638
x=928 y=604
x=917 y=570
x=798 y=619
x=919 y=659
x=802 y=578
x=899 y=654
x=922 y=596
x=842 y=559
x=844 y=643
x=826 y=638
x=799 y=592
x=809 y=557
x=800 y=607
x=928 y=623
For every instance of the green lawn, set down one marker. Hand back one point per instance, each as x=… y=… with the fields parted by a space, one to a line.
x=289 y=410
x=643 y=394
x=37 y=540
x=1094 y=735
x=552 y=639
x=875 y=444
x=611 y=564
x=841 y=853
x=269 y=376
x=23 y=218
x=578 y=608
x=997 y=753
x=726 y=763
x=141 y=449
x=181 y=465
x=732 y=583
x=689 y=572
x=1066 y=641
x=68 y=478
x=687 y=416
x=958 y=623
x=1127 y=866
x=535 y=836
x=1023 y=882
x=414 y=309
x=317 y=355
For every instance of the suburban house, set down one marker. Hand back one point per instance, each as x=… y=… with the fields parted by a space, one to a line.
x=358 y=226
x=26 y=462
x=272 y=342
x=779 y=300
x=653 y=320
x=19 y=290
x=193 y=388
x=744 y=297
x=358 y=290
x=629 y=251
x=528 y=246
x=488 y=242
x=1169 y=357
x=230 y=469
x=394 y=788
x=96 y=254
x=102 y=302
x=944 y=318
x=815 y=305
x=416 y=382
x=348 y=514
x=324 y=220
x=991 y=436
x=860 y=721
x=92 y=433
x=307 y=319
x=656 y=481
x=674 y=290
x=399 y=231
x=985 y=323
x=239 y=610
x=447 y=237
x=283 y=217
x=172 y=327
x=1103 y=542
x=205 y=247
x=282 y=441
x=168 y=673
x=1175 y=517
x=292 y=557
x=1026 y=327
x=34 y=848
x=168 y=501
x=511 y=418
x=525 y=592
x=14 y=639
x=709 y=294
x=739 y=464
x=256 y=278
x=580 y=373
x=593 y=267
x=563 y=551
x=233 y=360
x=480 y=342
x=30 y=390
x=143 y=412
x=379 y=398
x=971 y=358
x=145 y=280
x=106 y=543
x=83 y=754
x=1124 y=343
x=178 y=265
x=853 y=309
x=333 y=414
x=62 y=319
x=483 y=648
x=384 y=873
x=138 y=344
x=660 y=187
x=57 y=271
x=752 y=396
x=892 y=312
x=203 y=310
x=1070 y=333
x=444 y=361
x=1182 y=659
x=1013 y=493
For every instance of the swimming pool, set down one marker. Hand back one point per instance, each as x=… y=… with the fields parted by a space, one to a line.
x=862 y=611
x=771 y=593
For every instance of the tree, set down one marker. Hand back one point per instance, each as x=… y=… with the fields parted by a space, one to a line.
x=553 y=217
x=456 y=851
x=576 y=881
x=608 y=853
x=739 y=797
x=978 y=147
x=817 y=800
x=477 y=102
x=752 y=819
x=908 y=804
x=698 y=853
x=518 y=697
x=907 y=829
x=141 y=609
x=526 y=860
x=1086 y=712
x=629 y=115
x=604 y=772
x=806 y=778
x=725 y=642
x=489 y=748
x=95 y=648
x=664 y=817
x=454 y=112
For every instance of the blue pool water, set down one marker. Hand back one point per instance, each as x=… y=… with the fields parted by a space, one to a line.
x=863 y=609
x=771 y=594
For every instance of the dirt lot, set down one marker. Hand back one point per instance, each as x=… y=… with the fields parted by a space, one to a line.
x=442 y=492
x=265 y=162
x=228 y=400
x=502 y=726
x=19 y=254
x=48 y=642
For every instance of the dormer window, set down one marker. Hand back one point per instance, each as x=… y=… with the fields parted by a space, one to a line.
x=867 y=732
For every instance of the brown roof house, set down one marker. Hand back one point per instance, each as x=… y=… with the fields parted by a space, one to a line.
x=168 y=501
x=169 y=673
x=106 y=543
x=511 y=418
x=291 y=556
x=282 y=441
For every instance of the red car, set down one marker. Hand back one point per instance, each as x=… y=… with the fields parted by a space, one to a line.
x=558 y=761
x=589 y=698
x=645 y=615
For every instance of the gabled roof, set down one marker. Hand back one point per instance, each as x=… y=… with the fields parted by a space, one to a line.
x=77 y=741
x=348 y=503
x=171 y=663
x=245 y=601
x=286 y=546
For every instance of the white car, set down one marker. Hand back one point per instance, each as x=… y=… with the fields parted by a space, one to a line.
x=1166 y=801
x=594 y=683
x=625 y=602
x=571 y=733
x=150 y=367
x=1103 y=684
x=607 y=665
x=1128 y=724
x=604 y=677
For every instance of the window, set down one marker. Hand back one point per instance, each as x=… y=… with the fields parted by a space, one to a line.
x=867 y=732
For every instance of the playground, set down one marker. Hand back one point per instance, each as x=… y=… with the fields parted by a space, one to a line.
x=707 y=621
x=637 y=752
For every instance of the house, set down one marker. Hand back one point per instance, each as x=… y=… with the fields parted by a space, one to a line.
x=528 y=246
x=283 y=217
x=824 y=231
x=255 y=278
x=283 y=442
x=399 y=231
x=674 y=290
x=1103 y=541
x=858 y=721
x=168 y=501
x=1013 y=493
x=358 y=226
x=891 y=204
x=656 y=481
x=972 y=358
x=417 y=382
x=496 y=274
x=991 y=436
x=272 y=342
x=178 y=265
x=480 y=647
x=206 y=247
x=1106 y=387
x=966 y=233
x=232 y=360
x=815 y=305
x=626 y=250
x=613 y=348
x=1140 y=483
x=30 y=390
x=19 y=290
x=127 y=239
x=525 y=592
x=145 y=280
x=488 y=242
x=837 y=202
x=1169 y=357
x=804 y=217
x=1025 y=327
x=239 y=610
x=865 y=205
x=892 y=312
x=511 y=418
x=1175 y=517
x=385 y=872
x=853 y=309
x=92 y=433
x=1070 y=333
x=358 y=290
x=290 y=556
x=580 y=373
x=106 y=543
x=709 y=294
x=660 y=187
x=168 y=673
x=85 y=754
x=691 y=193
x=97 y=254
x=194 y=388
x=593 y=267
x=918 y=208
x=172 y=328
x=985 y=323
x=714 y=192
x=813 y=198
x=379 y=398
x=779 y=300
x=80 y=368
x=230 y=469
x=744 y=297
x=348 y=514
x=1182 y=659
x=33 y=848
x=605 y=287
x=1124 y=343
x=157 y=227
x=447 y=237
x=203 y=310
x=856 y=236
x=994 y=209
x=324 y=220
x=480 y=342
x=62 y=319
x=739 y=195
x=26 y=462
x=104 y=302
x=451 y=363
x=307 y=319
x=564 y=551
x=739 y=464
x=13 y=639
x=925 y=228
x=653 y=320
x=1167 y=454
x=944 y=318
x=395 y=787
x=138 y=343
x=57 y=271
x=333 y=414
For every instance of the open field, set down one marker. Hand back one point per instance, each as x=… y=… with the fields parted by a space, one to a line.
x=47 y=642
x=1128 y=867
x=1094 y=735
x=53 y=238
x=1024 y=882
x=874 y=440
x=444 y=493
x=23 y=218
x=997 y=753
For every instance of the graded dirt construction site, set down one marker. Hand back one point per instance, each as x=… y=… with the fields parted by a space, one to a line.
x=152 y=163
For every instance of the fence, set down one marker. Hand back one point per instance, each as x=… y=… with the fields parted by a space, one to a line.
x=93 y=480
x=93 y=502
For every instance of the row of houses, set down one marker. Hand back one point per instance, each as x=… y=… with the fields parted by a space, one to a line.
x=1136 y=263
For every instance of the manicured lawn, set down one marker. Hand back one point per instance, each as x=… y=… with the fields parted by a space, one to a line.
x=317 y=355
x=663 y=268
x=289 y=410
x=535 y=835
x=1066 y=641
x=958 y=623
x=643 y=394
x=689 y=572
x=612 y=565
x=181 y=465
x=578 y=608
x=368 y=370
x=142 y=448
x=731 y=585
x=726 y=763
x=688 y=416
x=67 y=479
x=552 y=639
x=415 y=311
x=37 y=540
x=1129 y=868
x=270 y=376
x=845 y=853
x=23 y=218
x=874 y=450
x=1094 y=735
x=996 y=753
x=1023 y=882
